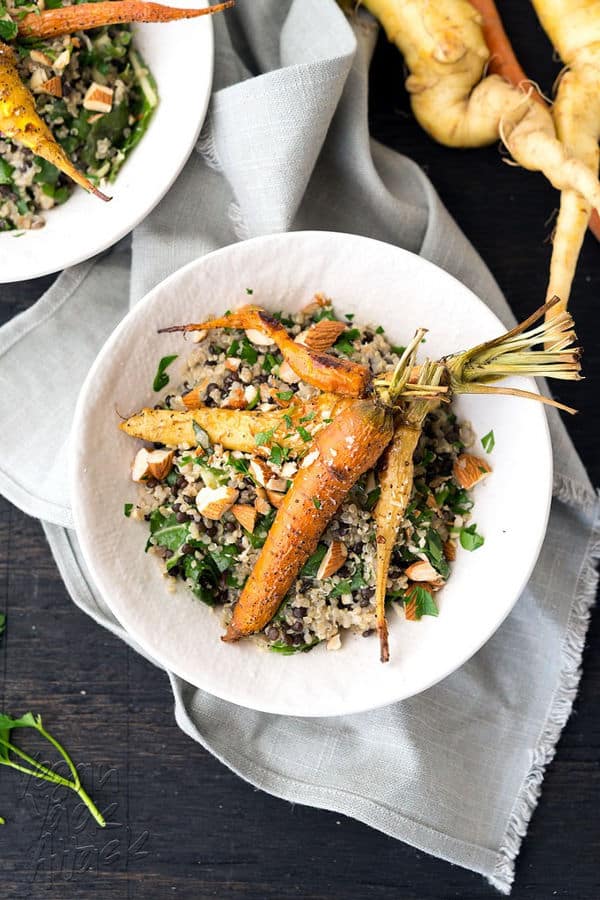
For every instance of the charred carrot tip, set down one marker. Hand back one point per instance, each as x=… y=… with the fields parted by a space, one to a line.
x=97 y=193
x=231 y=635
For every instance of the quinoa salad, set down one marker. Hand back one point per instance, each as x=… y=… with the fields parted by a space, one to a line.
x=214 y=555
x=94 y=92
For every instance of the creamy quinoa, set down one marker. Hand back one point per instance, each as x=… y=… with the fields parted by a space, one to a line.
x=214 y=558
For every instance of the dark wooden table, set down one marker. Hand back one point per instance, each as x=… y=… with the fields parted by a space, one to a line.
x=188 y=828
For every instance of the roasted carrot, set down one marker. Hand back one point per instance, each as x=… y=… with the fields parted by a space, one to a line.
x=346 y=449
x=20 y=122
x=51 y=23
x=321 y=370
x=248 y=431
x=396 y=481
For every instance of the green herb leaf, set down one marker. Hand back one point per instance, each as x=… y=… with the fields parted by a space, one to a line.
x=425 y=605
x=2 y=623
x=224 y=556
x=167 y=532
x=488 y=442
x=127 y=509
x=287 y=649
x=279 y=454
x=380 y=329
x=317 y=503
x=288 y=420
x=270 y=362
x=248 y=352
x=263 y=437
x=240 y=465
x=249 y=291
x=304 y=434
x=201 y=436
x=6 y=172
x=345 y=343
x=8 y=29
x=285 y=395
x=470 y=539
x=399 y=350
x=161 y=379
x=311 y=566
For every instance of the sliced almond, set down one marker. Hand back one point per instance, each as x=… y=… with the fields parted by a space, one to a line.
x=98 y=98
x=213 y=502
x=334 y=559
x=197 y=337
x=246 y=515
x=259 y=471
x=258 y=338
x=450 y=551
x=423 y=571
x=53 y=87
x=41 y=58
x=276 y=484
x=469 y=470
x=287 y=374
x=233 y=363
x=235 y=399
x=289 y=469
x=334 y=642
x=261 y=504
x=275 y=498
x=95 y=118
x=322 y=335
x=152 y=464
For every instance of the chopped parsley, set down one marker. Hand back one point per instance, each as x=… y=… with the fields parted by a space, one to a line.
x=285 y=395
x=161 y=379
x=488 y=442
x=345 y=342
x=304 y=434
x=263 y=437
x=470 y=539
x=249 y=291
x=279 y=454
x=317 y=503
x=127 y=509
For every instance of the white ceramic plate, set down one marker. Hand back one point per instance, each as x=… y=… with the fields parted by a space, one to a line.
x=378 y=283
x=180 y=56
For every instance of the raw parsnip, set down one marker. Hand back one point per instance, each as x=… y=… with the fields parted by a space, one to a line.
x=573 y=26
x=460 y=106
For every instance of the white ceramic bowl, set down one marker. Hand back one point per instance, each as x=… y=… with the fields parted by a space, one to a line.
x=180 y=56
x=378 y=283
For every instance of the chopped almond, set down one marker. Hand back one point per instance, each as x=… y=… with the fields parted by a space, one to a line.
x=318 y=302
x=41 y=58
x=98 y=98
x=277 y=484
x=450 y=551
x=469 y=470
x=63 y=59
x=246 y=515
x=287 y=374
x=275 y=498
x=212 y=503
x=334 y=642
x=334 y=559
x=251 y=394
x=259 y=471
x=198 y=336
x=322 y=335
x=258 y=338
x=38 y=78
x=152 y=464
x=235 y=399
x=423 y=571
x=261 y=504
x=53 y=87
x=192 y=400
x=233 y=363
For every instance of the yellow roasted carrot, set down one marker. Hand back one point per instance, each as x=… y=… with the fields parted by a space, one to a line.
x=49 y=23
x=396 y=481
x=20 y=122
x=236 y=429
x=345 y=449
x=321 y=370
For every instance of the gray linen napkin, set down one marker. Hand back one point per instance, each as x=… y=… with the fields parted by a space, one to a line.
x=286 y=146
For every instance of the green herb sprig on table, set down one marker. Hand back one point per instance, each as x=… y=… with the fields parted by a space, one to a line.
x=10 y=753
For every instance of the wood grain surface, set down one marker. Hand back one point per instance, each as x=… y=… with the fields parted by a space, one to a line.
x=187 y=827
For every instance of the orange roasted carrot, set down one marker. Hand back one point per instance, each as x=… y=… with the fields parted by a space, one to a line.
x=504 y=62
x=321 y=370
x=346 y=449
x=51 y=23
x=20 y=122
